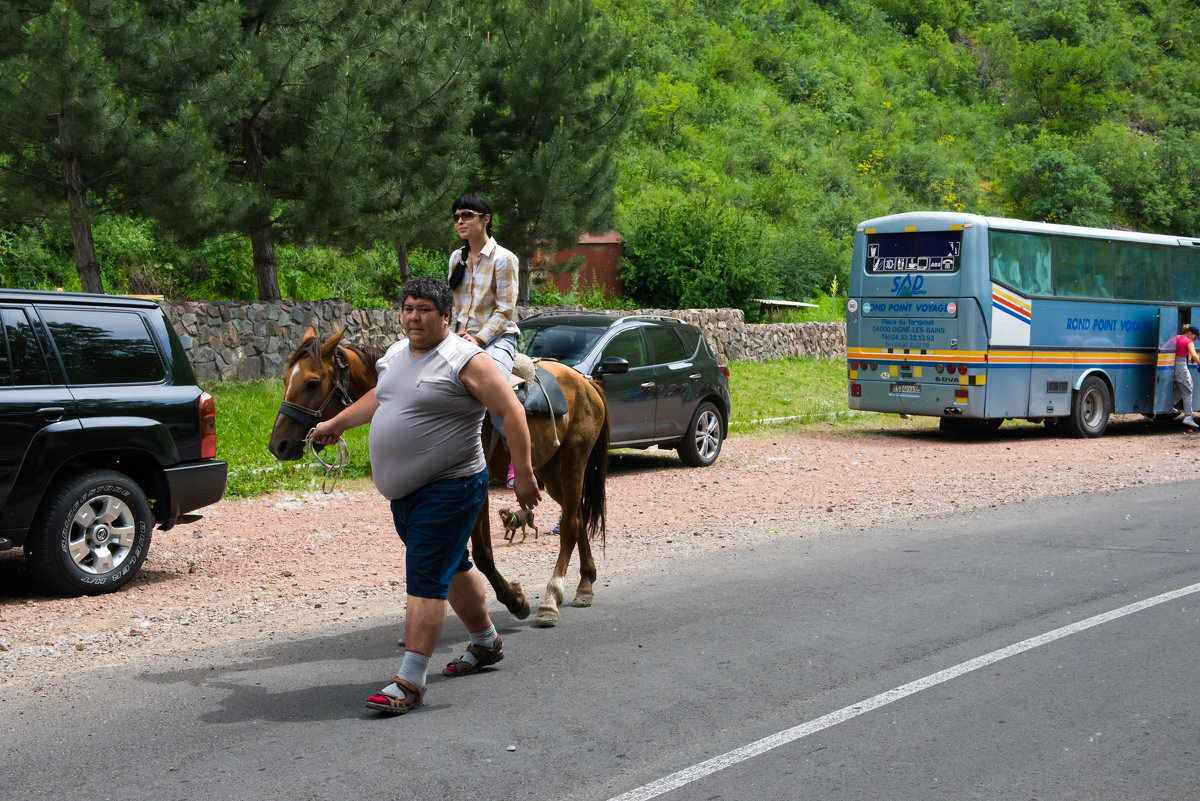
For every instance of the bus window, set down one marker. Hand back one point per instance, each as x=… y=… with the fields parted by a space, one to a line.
x=1021 y=261
x=1141 y=272
x=914 y=252
x=1186 y=269
x=1083 y=268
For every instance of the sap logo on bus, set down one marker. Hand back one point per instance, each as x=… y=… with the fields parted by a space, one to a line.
x=908 y=286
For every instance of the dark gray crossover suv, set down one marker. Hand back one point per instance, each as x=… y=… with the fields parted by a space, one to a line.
x=663 y=383
x=103 y=434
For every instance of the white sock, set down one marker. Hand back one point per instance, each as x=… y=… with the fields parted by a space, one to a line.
x=413 y=670
x=484 y=639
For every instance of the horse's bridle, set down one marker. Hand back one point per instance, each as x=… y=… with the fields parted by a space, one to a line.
x=341 y=390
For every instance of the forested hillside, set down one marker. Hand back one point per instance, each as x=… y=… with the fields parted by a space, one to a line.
x=797 y=120
x=760 y=132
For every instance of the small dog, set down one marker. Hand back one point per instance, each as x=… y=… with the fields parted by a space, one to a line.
x=512 y=519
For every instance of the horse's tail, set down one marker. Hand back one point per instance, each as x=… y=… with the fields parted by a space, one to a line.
x=595 y=475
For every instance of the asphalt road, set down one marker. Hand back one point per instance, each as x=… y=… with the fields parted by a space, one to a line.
x=1036 y=651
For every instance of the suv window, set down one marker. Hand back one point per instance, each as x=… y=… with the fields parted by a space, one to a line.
x=629 y=346
x=691 y=338
x=665 y=346
x=21 y=360
x=104 y=347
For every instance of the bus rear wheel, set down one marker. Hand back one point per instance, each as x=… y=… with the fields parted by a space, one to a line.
x=1090 y=408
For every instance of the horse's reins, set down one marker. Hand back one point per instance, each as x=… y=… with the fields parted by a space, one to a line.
x=333 y=468
x=310 y=417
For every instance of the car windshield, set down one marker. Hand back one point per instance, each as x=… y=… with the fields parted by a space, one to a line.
x=567 y=343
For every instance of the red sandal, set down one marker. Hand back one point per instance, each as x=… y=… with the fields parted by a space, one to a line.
x=485 y=657
x=393 y=705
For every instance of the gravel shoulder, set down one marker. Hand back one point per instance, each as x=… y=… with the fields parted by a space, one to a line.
x=291 y=562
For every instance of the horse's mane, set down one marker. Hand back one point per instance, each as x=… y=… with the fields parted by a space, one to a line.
x=368 y=353
x=311 y=348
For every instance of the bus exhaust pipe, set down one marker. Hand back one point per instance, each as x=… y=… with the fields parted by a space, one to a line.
x=952 y=410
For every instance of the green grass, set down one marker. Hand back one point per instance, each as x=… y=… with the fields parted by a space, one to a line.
x=808 y=389
x=805 y=388
x=245 y=414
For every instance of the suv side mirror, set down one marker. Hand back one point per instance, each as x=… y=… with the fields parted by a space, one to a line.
x=611 y=365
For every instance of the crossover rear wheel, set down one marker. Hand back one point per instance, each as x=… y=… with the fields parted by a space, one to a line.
x=702 y=442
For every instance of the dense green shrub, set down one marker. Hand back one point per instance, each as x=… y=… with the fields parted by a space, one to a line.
x=1057 y=187
x=696 y=254
x=911 y=14
x=37 y=256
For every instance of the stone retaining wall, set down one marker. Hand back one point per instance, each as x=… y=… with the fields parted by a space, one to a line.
x=242 y=341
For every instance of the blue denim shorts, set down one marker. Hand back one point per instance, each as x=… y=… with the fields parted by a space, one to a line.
x=435 y=525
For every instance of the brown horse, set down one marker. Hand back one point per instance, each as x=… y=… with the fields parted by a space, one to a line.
x=569 y=454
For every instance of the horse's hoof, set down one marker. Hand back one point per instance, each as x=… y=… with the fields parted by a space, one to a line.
x=545 y=621
x=519 y=605
x=583 y=599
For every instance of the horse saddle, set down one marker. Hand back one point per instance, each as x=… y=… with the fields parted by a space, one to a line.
x=538 y=391
x=537 y=388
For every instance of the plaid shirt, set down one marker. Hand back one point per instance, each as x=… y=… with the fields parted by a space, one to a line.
x=485 y=303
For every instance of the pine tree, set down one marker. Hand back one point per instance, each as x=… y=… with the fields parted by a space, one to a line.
x=556 y=101
x=70 y=130
x=323 y=122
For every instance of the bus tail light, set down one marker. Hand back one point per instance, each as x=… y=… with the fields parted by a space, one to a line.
x=856 y=390
x=940 y=369
x=962 y=369
x=208 y=426
x=960 y=396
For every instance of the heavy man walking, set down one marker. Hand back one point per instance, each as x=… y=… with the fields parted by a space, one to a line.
x=426 y=412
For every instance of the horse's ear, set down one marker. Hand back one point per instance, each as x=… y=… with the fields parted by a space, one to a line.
x=309 y=333
x=330 y=346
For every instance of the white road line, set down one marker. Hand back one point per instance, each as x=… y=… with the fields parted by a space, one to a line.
x=710 y=766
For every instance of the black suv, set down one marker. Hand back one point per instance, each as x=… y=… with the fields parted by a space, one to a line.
x=663 y=383
x=103 y=434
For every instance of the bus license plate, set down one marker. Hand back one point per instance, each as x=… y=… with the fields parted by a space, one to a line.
x=906 y=389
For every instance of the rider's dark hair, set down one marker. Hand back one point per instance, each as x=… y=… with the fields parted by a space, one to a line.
x=472 y=203
x=428 y=287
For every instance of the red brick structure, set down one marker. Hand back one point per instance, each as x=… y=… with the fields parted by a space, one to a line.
x=601 y=264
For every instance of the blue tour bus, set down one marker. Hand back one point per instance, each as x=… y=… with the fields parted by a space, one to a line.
x=980 y=319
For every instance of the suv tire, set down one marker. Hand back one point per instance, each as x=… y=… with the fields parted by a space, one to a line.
x=702 y=442
x=91 y=535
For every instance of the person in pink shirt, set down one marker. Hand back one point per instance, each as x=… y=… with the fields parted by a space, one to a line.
x=1185 y=354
